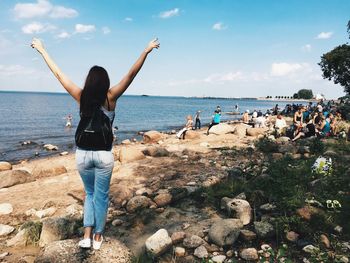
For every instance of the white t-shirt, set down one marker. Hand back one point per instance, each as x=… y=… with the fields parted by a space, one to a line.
x=280 y=123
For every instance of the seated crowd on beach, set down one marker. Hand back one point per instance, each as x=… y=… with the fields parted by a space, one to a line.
x=311 y=120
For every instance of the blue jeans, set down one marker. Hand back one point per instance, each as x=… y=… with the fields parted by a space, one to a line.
x=95 y=169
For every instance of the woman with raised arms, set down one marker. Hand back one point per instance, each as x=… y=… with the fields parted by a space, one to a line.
x=94 y=137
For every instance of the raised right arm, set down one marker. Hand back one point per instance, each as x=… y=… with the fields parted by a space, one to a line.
x=69 y=85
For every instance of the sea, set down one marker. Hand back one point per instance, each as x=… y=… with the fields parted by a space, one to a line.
x=40 y=118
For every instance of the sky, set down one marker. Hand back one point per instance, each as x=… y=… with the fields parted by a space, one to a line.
x=221 y=48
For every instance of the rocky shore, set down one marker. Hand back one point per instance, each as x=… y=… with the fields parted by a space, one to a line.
x=231 y=196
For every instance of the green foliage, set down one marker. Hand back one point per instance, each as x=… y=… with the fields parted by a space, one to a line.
x=316 y=146
x=33 y=230
x=305 y=94
x=267 y=146
x=335 y=66
x=279 y=256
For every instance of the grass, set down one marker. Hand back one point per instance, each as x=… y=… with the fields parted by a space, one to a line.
x=33 y=230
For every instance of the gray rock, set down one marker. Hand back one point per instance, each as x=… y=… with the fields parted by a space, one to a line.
x=225 y=231
x=137 y=203
x=117 y=222
x=249 y=254
x=163 y=199
x=263 y=229
x=193 y=241
x=218 y=258
x=14 y=177
x=158 y=243
x=20 y=239
x=239 y=208
x=6 y=230
x=156 y=151
x=287 y=148
x=5 y=209
x=304 y=149
x=268 y=207
x=56 y=229
x=283 y=139
x=201 y=252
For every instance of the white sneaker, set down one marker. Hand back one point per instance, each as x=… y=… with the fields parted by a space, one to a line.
x=96 y=244
x=85 y=243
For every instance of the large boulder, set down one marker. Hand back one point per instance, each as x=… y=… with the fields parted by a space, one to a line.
x=48 y=170
x=128 y=154
x=4 y=166
x=241 y=130
x=239 y=208
x=256 y=131
x=158 y=243
x=120 y=193
x=225 y=231
x=68 y=251
x=56 y=229
x=152 y=137
x=138 y=202
x=192 y=135
x=222 y=128
x=14 y=177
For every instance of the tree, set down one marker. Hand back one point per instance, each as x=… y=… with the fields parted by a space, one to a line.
x=295 y=96
x=335 y=65
x=305 y=94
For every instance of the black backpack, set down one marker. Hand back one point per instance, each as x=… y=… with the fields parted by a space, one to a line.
x=94 y=133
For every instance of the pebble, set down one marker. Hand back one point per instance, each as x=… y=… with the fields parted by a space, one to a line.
x=5 y=209
x=180 y=252
x=46 y=212
x=292 y=236
x=63 y=153
x=310 y=249
x=249 y=254
x=201 y=252
x=325 y=241
x=218 y=259
x=185 y=226
x=177 y=237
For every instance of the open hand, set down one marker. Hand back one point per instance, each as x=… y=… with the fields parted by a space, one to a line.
x=153 y=44
x=38 y=45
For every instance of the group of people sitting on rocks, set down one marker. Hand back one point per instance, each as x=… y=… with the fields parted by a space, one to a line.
x=320 y=120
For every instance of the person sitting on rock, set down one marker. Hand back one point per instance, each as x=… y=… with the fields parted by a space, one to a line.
x=308 y=130
x=188 y=126
x=280 y=125
x=215 y=120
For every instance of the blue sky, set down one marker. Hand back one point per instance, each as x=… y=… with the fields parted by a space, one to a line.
x=228 y=48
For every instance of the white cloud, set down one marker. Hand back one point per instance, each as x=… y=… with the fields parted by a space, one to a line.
x=324 y=35
x=285 y=69
x=224 y=77
x=63 y=35
x=219 y=26
x=11 y=70
x=306 y=48
x=42 y=8
x=63 y=12
x=80 y=28
x=170 y=13
x=106 y=30
x=37 y=28
x=128 y=19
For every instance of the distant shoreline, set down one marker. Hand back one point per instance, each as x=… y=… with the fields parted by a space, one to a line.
x=169 y=96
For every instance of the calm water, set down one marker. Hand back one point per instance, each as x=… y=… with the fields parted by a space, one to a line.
x=40 y=118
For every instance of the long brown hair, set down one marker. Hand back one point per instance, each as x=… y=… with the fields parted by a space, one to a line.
x=95 y=90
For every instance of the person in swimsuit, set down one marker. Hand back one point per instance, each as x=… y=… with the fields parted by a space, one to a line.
x=95 y=167
x=298 y=120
